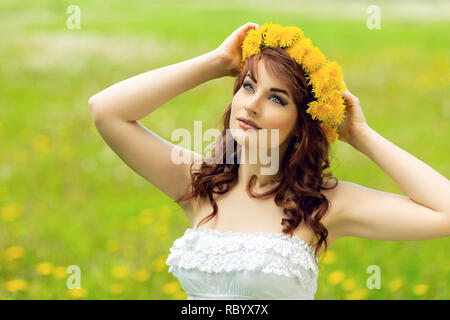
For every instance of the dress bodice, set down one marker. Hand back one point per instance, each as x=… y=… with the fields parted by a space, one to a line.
x=232 y=265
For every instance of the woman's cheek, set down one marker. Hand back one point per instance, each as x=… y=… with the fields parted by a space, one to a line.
x=284 y=122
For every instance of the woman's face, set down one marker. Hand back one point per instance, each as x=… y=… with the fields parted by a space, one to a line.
x=267 y=102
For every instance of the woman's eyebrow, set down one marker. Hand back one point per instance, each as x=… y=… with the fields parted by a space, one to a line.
x=271 y=89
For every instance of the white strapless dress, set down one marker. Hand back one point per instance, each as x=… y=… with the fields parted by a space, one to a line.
x=232 y=265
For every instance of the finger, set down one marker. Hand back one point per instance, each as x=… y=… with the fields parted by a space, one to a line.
x=252 y=24
x=249 y=25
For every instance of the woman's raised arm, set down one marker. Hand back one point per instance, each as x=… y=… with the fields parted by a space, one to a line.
x=134 y=98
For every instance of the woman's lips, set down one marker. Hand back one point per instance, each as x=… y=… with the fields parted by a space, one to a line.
x=246 y=126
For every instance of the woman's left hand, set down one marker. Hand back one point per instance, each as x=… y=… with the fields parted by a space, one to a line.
x=354 y=124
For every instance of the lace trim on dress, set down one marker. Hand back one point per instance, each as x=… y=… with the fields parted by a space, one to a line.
x=210 y=250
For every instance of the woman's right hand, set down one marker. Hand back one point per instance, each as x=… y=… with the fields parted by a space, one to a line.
x=230 y=51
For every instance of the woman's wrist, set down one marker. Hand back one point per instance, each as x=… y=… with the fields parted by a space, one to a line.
x=221 y=63
x=360 y=140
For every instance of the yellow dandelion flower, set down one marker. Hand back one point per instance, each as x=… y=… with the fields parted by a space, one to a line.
x=295 y=34
x=331 y=96
x=251 y=44
x=142 y=275
x=171 y=287
x=348 y=284
x=119 y=272
x=342 y=86
x=16 y=285
x=334 y=71
x=420 y=289
x=330 y=257
x=313 y=59
x=319 y=110
x=357 y=294
x=77 y=293
x=264 y=27
x=326 y=79
x=330 y=132
x=116 y=288
x=318 y=79
x=289 y=35
x=13 y=253
x=297 y=50
x=336 y=276
x=59 y=272
x=44 y=268
x=272 y=35
x=337 y=115
x=395 y=284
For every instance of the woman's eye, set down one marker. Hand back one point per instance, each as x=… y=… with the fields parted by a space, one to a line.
x=280 y=101
x=247 y=84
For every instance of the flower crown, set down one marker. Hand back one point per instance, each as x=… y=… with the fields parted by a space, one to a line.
x=325 y=77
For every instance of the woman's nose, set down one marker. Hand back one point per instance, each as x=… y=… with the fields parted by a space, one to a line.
x=252 y=106
x=250 y=110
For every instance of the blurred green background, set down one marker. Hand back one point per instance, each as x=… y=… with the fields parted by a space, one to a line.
x=67 y=199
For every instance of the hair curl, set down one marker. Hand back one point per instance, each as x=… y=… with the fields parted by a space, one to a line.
x=303 y=167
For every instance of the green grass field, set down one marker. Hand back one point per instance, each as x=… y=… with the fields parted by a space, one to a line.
x=67 y=199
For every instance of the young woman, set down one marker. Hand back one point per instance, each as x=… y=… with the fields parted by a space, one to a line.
x=238 y=247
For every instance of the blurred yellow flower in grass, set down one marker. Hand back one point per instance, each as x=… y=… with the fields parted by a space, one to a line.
x=171 y=287
x=159 y=264
x=358 y=294
x=77 y=293
x=44 y=268
x=11 y=211
x=330 y=257
x=116 y=288
x=395 y=284
x=41 y=143
x=142 y=275
x=13 y=253
x=336 y=276
x=420 y=289
x=146 y=216
x=16 y=285
x=348 y=284
x=179 y=296
x=119 y=272
x=59 y=272
x=112 y=246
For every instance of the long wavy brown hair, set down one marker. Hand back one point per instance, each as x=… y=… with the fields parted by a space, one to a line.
x=303 y=168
